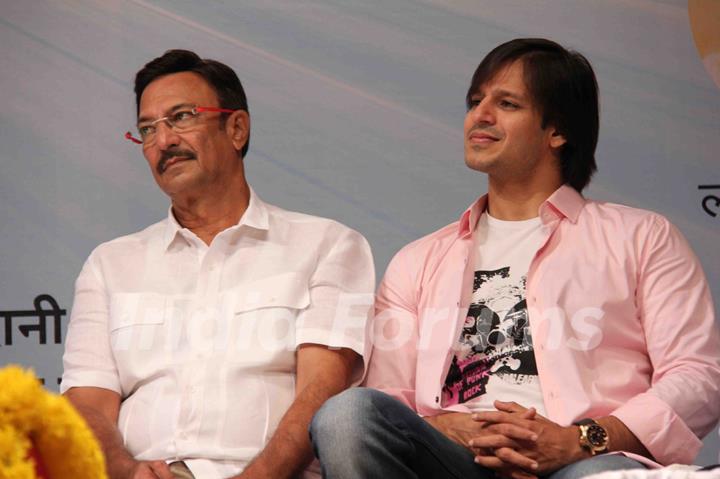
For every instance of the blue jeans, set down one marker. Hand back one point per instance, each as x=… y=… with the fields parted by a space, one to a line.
x=364 y=433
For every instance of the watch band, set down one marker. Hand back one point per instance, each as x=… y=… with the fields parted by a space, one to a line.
x=585 y=421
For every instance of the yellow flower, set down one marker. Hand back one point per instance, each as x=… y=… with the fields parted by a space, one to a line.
x=13 y=454
x=63 y=441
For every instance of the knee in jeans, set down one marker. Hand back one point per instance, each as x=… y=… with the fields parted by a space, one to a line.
x=342 y=416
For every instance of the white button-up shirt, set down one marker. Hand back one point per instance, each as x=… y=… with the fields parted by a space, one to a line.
x=200 y=340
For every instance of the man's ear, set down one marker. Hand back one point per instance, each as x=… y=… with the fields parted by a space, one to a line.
x=238 y=127
x=557 y=139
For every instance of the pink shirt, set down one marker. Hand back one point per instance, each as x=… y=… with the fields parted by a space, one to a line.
x=620 y=314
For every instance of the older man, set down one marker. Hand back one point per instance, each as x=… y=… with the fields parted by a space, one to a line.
x=203 y=344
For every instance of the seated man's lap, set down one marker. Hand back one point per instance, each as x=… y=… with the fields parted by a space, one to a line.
x=381 y=431
x=366 y=419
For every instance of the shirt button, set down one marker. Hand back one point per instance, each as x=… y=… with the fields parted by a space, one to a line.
x=437 y=399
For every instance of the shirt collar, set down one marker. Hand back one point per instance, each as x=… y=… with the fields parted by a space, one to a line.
x=256 y=216
x=470 y=217
x=565 y=202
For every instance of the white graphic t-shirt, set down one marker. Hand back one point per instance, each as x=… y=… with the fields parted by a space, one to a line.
x=494 y=357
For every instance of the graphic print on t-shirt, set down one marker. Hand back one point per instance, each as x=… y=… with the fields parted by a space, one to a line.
x=495 y=340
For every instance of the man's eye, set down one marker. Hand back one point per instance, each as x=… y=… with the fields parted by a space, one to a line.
x=508 y=104
x=473 y=103
x=183 y=115
x=146 y=130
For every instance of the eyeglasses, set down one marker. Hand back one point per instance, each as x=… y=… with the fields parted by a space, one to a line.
x=179 y=121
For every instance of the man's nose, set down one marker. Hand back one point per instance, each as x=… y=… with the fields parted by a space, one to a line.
x=165 y=135
x=483 y=113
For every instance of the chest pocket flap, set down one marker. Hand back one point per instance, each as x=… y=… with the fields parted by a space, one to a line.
x=131 y=309
x=288 y=290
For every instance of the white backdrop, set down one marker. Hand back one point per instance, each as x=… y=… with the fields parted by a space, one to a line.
x=357 y=111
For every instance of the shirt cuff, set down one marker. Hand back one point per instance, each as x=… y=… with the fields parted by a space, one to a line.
x=89 y=379
x=659 y=429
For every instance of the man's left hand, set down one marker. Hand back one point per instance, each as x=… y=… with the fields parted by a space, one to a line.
x=555 y=447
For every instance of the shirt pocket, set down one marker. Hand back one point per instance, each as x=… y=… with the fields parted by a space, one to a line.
x=265 y=313
x=136 y=324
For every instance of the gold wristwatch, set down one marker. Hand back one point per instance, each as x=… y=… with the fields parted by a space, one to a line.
x=593 y=436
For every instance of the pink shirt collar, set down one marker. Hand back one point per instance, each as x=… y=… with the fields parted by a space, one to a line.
x=564 y=202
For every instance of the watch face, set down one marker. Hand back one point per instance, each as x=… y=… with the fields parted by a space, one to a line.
x=596 y=435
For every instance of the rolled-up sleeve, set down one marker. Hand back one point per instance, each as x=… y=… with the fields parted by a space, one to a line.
x=88 y=358
x=341 y=296
x=677 y=314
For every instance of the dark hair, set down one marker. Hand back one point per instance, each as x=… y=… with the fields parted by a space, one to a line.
x=221 y=78
x=563 y=88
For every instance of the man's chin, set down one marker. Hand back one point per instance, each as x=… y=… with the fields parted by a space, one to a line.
x=175 y=181
x=478 y=165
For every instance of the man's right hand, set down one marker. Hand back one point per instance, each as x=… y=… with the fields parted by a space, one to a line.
x=100 y=409
x=458 y=427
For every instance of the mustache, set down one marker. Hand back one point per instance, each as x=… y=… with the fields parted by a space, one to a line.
x=171 y=153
